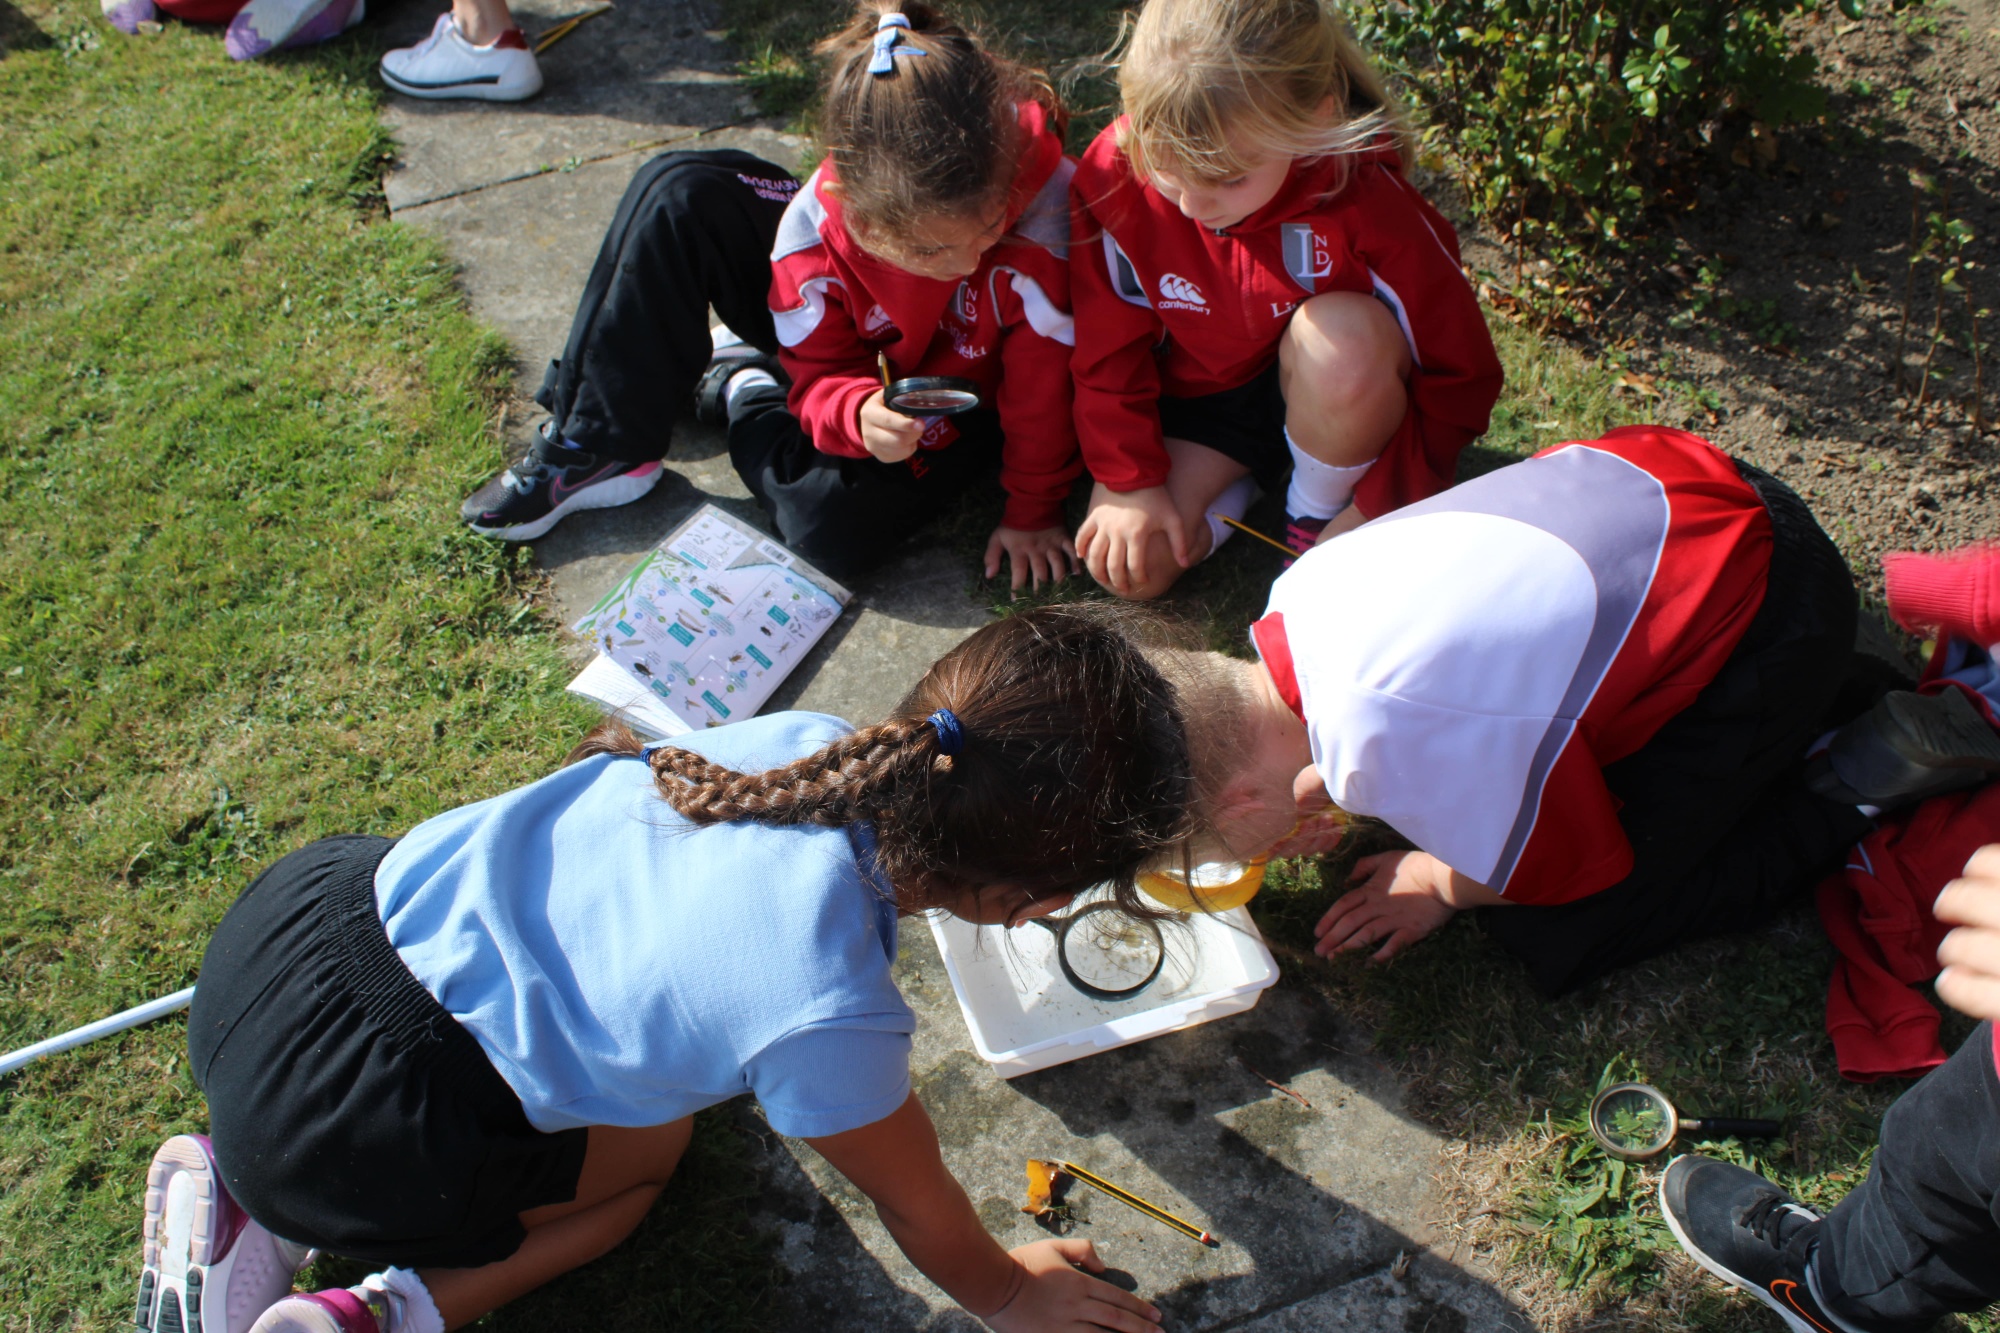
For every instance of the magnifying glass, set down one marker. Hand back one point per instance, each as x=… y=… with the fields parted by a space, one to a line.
x=1635 y=1122
x=931 y=396
x=1104 y=953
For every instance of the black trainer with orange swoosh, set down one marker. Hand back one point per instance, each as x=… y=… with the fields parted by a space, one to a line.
x=1751 y=1234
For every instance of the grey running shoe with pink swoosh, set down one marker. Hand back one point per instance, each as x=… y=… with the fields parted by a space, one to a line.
x=551 y=480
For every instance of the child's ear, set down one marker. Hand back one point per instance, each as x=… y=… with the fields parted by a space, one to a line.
x=1241 y=798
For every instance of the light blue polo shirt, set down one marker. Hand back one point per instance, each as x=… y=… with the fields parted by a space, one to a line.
x=622 y=966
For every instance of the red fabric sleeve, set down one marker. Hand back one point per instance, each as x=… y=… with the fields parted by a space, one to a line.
x=1878 y=913
x=1039 y=460
x=1456 y=376
x=1956 y=595
x=203 y=11
x=1117 y=379
x=1577 y=846
x=832 y=370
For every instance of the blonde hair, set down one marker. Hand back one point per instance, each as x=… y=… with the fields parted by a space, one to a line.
x=1217 y=714
x=1192 y=71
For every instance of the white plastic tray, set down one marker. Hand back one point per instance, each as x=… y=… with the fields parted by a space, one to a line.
x=1024 y=1016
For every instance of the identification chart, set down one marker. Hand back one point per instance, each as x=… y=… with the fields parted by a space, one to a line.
x=712 y=620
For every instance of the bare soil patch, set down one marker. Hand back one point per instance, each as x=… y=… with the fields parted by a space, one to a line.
x=1774 y=313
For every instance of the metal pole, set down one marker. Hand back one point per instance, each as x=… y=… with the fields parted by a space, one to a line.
x=103 y=1027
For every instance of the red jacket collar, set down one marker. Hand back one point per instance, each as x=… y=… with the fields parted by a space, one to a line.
x=1268 y=634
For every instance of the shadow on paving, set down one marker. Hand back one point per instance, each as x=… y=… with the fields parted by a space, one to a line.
x=1187 y=1120
x=643 y=72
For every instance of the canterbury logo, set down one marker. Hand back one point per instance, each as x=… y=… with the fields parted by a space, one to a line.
x=1178 y=290
x=876 y=320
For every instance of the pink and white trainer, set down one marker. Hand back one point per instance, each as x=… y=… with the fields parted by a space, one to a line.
x=208 y=1266
x=341 y=1310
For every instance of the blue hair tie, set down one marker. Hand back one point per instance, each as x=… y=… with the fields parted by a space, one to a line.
x=950 y=734
x=888 y=34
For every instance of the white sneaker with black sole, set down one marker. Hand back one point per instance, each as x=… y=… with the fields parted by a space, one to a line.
x=445 y=65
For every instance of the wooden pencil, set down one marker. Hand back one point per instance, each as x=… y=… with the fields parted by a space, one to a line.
x=1131 y=1200
x=1268 y=541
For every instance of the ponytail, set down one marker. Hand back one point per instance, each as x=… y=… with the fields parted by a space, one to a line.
x=921 y=122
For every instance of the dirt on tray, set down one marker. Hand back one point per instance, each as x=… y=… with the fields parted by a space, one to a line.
x=1774 y=313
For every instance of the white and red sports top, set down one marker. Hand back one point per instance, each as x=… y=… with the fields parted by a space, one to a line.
x=1006 y=327
x=1466 y=666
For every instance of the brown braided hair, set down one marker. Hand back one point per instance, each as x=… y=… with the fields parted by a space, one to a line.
x=1074 y=768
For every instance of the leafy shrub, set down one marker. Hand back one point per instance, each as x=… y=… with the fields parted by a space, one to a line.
x=1567 y=119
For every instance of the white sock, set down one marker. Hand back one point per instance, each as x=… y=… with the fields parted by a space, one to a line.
x=752 y=378
x=1320 y=490
x=1234 y=502
x=411 y=1309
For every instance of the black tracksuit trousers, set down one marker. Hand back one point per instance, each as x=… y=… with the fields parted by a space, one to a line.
x=695 y=230
x=1920 y=1237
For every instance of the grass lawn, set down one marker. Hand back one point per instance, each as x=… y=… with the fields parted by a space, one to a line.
x=237 y=412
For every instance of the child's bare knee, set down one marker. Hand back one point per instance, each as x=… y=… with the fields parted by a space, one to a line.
x=1341 y=351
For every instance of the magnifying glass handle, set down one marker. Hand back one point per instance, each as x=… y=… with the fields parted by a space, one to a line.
x=1728 y=1127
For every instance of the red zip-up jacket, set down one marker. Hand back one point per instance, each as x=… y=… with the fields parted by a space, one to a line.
x=1007 y=327
x=1165 y=306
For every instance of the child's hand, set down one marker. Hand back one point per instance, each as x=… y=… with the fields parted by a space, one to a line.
x=1400 y=901
x=889 y=436
x=1118 y=532
x=1054 y=1296
x=1970 y=982
x=1044 y=553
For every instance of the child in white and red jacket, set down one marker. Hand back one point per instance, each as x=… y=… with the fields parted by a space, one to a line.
x=1258 y=290
x=933 y=237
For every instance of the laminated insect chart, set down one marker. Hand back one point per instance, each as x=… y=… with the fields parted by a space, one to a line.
x=705 y=627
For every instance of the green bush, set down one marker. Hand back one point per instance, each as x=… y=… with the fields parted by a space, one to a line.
x=1567 y=119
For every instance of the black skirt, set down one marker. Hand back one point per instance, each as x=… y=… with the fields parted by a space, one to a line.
x=348 y=1110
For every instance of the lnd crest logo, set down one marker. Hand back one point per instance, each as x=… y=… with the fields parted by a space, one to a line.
x=1307 y=257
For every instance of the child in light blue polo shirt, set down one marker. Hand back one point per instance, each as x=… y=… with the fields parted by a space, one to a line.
x=472 y=1055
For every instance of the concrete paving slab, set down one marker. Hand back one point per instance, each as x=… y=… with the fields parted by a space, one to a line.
x=1313 y=1205
x=526 y=246
x=650 y=70
x=904 y=616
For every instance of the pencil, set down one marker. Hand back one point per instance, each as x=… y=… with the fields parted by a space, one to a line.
x=565 y=28
x=1268 y=541
x=1130 y=1200
x=882 y=364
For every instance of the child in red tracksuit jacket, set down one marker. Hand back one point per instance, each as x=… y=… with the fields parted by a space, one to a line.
x=945 y=252
x=1258 y=289
x=933 y=237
